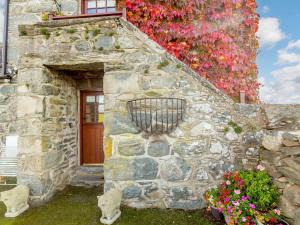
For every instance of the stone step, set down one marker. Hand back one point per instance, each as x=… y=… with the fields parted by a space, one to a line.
x=88 y=176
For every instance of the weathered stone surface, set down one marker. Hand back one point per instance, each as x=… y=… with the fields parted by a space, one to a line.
x=105 y=42
x=38 y=185
x=132 y=192
x=82 y=46
x=129 y=145
x=291 y=151
x=118 y=123
x=272 y=143
x=7 y=90
x=187 y=205
x=121 y=82
x=118 y=169
x=292 y=174
x=158 y=148
x=202 y=175
x=145 y=169
x=29 y=105
x=202 y=129
x=291 y=139
x=190 y=148
x=217 y=148
x=292 y=194
x=181 y=193
x=175 y=169
x=287 y=208
x=231 y=135
x=49 y=90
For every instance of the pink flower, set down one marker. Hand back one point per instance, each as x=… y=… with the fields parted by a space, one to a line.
x=237 y=192
x=244 y=198
x=228 y=182
x=260 y=167
x=252 y=206
x=244 y=219
x=277 y=211
x=228 y=210
x=236 y=203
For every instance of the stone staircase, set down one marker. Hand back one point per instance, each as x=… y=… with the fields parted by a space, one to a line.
x=88 y=176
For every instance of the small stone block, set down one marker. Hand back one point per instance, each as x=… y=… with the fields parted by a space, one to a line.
x=110 y=221
x=15 y=214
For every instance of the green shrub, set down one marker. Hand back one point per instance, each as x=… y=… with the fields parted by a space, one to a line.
x=261 y=190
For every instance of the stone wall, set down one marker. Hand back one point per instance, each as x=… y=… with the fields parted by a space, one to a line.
x=47 y=113
x=281 y=155
x=7 y=110
x=171 y=170
x=22 y=12
x=30 y=12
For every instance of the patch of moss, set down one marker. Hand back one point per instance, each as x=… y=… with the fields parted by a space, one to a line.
x=226 y=130
x=23 y=33
x=153 y=94
x=146 y=71
x=111 y=34
x=100 y=49
x=45 y=32
x=178 y=66
x=71 y=31
x=117 y=46
x=237 y=129
x=96 y=32
x=57 y=34
x=163 y=64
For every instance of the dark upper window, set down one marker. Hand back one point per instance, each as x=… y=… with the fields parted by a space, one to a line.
x=99 y=6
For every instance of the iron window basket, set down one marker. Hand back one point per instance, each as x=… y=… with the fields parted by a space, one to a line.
x=157 y=115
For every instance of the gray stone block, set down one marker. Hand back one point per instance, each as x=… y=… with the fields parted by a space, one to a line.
x=132 y=192
x=159 y=148
x=175 y=169
x=145 y=169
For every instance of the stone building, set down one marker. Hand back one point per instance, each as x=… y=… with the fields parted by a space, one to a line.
x=88 y=91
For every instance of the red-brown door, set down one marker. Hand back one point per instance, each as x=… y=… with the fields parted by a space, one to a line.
x=92 y=112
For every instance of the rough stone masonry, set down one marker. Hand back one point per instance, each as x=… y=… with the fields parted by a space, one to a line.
x=167 y=171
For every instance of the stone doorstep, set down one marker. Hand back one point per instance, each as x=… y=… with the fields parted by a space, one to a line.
x=15 y=214
x=88 y=176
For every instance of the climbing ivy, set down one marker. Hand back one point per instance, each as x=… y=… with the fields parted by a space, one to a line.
x=214 y=37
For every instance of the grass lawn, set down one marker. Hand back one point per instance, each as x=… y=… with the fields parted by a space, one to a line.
x=78 y=206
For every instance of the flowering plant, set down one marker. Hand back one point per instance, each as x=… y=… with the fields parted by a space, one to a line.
x=238 y=200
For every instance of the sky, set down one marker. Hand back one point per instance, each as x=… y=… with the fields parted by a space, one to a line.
x=279 y=55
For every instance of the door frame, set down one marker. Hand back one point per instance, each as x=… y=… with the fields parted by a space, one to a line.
x=81 y=92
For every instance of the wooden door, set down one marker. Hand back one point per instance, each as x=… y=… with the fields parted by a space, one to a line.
x=92 y=128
